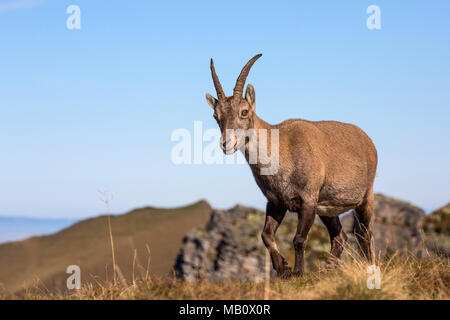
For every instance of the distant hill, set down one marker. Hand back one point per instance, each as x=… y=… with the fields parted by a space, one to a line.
x=142 y=236
x=19 y=228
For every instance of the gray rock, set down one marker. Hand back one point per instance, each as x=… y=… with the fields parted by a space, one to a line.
x=230 y=247
x=226 y=248
x=396 y=227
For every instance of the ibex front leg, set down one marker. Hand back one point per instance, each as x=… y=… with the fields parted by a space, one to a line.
x=305 y=221
x=274 y=217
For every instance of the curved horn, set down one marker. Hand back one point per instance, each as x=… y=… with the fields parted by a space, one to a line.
x=239 y=88
x=217 y=85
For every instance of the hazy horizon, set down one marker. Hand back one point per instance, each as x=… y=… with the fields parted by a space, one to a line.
x=21 y=228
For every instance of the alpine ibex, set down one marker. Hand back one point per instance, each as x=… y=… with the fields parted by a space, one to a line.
x=325 y=167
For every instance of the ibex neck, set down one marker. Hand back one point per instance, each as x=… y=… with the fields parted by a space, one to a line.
x=259 y=123
x=264 y=156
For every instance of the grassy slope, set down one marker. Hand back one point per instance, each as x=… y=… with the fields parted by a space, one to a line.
x=142 y=236
x=400 y=279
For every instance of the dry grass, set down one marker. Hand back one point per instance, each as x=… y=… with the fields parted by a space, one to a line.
x=400 y=279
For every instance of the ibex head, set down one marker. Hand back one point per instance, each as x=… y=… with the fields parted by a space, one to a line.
x=235 y=112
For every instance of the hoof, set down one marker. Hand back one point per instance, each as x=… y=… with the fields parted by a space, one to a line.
x=298 y=274
x=286 y=274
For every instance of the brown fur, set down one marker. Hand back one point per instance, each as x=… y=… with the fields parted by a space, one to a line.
x=325 y=167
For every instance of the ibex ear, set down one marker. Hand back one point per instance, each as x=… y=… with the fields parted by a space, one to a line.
x=250 y=96
x=211 y=100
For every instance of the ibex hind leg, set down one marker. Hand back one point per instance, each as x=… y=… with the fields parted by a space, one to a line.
x=337 y=238
x=363 y=217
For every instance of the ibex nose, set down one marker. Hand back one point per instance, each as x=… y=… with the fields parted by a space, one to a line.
x=224 y=144
x=228 y=143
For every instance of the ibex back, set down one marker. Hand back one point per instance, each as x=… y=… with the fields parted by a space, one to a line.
x=325 y=167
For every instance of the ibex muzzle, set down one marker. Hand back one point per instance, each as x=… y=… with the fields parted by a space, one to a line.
x=325 y=167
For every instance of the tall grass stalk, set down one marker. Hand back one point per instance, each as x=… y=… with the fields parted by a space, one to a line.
x=106 y=198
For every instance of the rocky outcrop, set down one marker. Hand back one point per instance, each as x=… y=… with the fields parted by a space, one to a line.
x=402 y=228
x=396 y=226
x=437 y=230
x=438 y=221
x=220 y=250
x=230 y=246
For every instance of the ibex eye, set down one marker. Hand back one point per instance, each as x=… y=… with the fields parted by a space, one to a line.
x=244 y=113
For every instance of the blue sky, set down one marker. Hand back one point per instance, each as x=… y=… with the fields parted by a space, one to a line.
x=95 y=108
